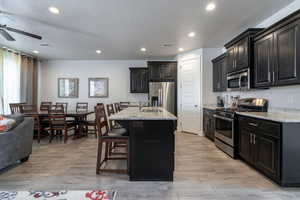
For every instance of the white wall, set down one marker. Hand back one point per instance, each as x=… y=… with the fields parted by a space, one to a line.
x=280 y=97
x=117 y=71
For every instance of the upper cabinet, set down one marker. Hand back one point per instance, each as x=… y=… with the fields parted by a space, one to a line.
x=277 y=54
x=139 y=80
x=240 y=51
x=162 y=70
x=219 y=73
x=263 y=61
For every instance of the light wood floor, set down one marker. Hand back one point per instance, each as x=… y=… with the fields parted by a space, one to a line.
x=202 y=172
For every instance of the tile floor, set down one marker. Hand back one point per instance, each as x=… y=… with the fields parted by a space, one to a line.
x=202 y=172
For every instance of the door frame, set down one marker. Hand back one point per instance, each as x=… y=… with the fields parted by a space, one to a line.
x=182 y=58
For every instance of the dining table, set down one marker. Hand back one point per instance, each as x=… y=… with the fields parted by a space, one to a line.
x=78 y=116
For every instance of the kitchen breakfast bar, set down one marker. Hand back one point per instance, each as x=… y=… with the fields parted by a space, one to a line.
x=151 y=142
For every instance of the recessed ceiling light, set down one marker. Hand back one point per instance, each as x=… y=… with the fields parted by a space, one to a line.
x=210 y=6
x=181 y=49
x=4 y=47
x=98 y=51
x=54 y=10
x=192 y=34
x=143 y=49
x=35 y=51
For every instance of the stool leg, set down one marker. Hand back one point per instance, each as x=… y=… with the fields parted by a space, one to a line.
x=99 y=155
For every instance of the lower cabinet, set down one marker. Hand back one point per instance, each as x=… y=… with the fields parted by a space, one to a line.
x=267 y=155
x=271 y=148
x=209 y=124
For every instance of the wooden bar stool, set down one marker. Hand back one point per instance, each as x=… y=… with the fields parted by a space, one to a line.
x=105 y=138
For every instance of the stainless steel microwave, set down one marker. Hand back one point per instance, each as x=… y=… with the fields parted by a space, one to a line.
x=238 y=80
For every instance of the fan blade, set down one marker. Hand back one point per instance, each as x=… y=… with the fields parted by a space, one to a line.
x=24 y=33
x=7 y=36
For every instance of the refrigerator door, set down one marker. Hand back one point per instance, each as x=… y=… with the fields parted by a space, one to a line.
x=162 y=94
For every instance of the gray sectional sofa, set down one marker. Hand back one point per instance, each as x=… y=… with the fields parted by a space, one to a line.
x=16 y=144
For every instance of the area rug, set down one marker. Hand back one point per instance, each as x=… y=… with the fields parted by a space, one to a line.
x=58 y=195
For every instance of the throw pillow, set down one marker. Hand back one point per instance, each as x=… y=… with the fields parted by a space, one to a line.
x=6 y=124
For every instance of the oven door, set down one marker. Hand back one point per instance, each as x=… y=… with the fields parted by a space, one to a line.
x=224 y=129
x=233 y=82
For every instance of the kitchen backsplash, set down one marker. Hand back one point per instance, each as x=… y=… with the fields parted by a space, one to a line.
x=282 y=98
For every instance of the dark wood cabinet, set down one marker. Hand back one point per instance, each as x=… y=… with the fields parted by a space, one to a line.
x=259 y=145
x=287 y=55
x=162 y=70
x=152 y=148
x=245 y=147
x=277 y=54
x=264 y=64
x=240 y=51
x=266 y=155
x=209 y=124
x=139 y=80
x=219 y=73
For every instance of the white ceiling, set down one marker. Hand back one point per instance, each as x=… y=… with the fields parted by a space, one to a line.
x=121 y=27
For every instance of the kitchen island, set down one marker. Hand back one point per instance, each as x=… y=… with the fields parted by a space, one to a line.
x=151 y=142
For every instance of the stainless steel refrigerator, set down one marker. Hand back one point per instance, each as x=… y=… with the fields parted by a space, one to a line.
x=163 y=94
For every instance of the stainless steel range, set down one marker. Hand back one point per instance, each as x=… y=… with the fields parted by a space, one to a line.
x=225 y=137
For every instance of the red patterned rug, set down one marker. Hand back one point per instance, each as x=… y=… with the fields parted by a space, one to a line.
x=59 y=195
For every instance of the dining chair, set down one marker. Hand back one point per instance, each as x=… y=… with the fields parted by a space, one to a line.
x=124 y=105
x=31 y=111
x=82 y=107
x=117 y=107
x=58 y=123
x=105 y=138
x=64 y=104
x=45 y=106
x=15 y=107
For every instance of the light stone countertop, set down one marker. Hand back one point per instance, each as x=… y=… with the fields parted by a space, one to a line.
x=153 y=113
x=211 y=107
x=283 y=117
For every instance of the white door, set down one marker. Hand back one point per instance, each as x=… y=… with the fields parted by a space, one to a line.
x=190 y=107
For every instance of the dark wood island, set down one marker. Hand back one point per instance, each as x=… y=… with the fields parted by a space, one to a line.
x=151 y=142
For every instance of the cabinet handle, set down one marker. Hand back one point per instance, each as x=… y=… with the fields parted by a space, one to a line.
x=252 y=124
x=250 y=138
x=273 y=77
x=269 y=76
x=254 y=138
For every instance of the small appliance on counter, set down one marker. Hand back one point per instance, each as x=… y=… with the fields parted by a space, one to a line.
x=220 y=101
x=225 y=138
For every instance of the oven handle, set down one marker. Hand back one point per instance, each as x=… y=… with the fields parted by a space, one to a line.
x=223 y=118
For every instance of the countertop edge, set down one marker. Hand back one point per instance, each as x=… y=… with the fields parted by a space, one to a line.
x=268 y=118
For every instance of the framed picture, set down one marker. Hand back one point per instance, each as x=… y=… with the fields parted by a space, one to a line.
x=98 y=87
x=68 y=87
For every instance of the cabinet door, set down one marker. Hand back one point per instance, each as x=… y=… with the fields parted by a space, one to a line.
x=231 y=60
x=267 y=155
x=205 y=123
x=287 y=54
x=245 y=145
x=241 y=54
x=216 y=76
x=167 y=71
x=154 y=72
x=139 y=80
x=263 y=63
x=223 y=74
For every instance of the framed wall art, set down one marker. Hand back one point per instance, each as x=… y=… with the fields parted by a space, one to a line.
x=68 y=87
x=98 y=87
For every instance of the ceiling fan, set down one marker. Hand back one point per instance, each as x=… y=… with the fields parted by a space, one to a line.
x=6 y=35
